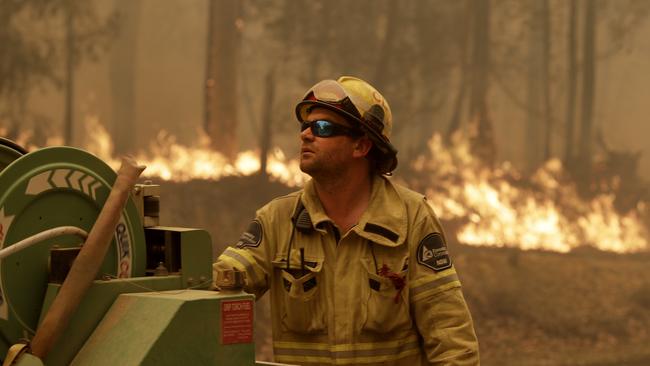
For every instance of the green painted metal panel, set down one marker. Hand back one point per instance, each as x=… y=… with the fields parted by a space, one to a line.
x=98 y=300
x=170 y=328
x=196 y=258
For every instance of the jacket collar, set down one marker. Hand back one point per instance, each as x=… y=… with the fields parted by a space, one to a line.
x=384 y=222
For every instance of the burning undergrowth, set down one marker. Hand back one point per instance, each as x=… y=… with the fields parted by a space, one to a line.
x=481 y=205
x=499 y=207
x=169 y=160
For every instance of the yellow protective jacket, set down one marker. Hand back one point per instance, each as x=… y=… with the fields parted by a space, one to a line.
x=384 y=293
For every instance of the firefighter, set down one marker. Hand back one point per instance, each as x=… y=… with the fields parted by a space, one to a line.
x=357 y=266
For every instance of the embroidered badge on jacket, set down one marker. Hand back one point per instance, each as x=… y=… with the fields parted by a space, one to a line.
x=432 y=253
x=252 y=237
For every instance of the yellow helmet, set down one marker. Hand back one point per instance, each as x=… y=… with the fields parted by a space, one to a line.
x=359 y=102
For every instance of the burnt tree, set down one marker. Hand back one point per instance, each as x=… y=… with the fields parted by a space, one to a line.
x=123 y=66
x=588 y=94
x=483 y=142
x=69 y=73
x=572 y=83
x=221 y=79
x=546 y=75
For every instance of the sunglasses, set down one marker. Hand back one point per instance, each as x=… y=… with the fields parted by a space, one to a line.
x=325 y=128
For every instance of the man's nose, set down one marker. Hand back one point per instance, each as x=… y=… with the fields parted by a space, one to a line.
x=306 y=135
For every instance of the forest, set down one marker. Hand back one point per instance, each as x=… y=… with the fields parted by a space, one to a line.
x=524 y=122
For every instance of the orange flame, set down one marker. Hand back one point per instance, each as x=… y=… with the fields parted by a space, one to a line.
x=493 y=205
x=25 y=138
x=169 y=160
x=496 y=211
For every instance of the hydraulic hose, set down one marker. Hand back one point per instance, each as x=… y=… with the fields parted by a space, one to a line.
x=43 y=235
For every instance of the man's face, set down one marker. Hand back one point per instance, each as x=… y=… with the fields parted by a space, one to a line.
x=325 y=156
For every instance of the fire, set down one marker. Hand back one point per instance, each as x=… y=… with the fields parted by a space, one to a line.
x=25 y=138
x=494 y=206
x=496 y=209
x=168 y=160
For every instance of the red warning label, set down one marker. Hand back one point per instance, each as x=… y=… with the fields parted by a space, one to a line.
x=236 y=321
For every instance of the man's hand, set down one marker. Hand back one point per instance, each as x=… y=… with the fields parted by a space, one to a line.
x=217 y=269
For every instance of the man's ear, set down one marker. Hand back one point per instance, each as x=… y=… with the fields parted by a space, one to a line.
x=362 y=147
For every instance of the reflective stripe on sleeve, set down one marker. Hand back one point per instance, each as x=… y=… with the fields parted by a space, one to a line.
x=346 y=354
x=246 y=260
x=420 y=289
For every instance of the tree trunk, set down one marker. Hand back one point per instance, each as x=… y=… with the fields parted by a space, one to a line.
x=533 y=125
x=572 y=81
x=457 y=113
x=69 y=73
x=222 y=70
x=588 y=92
x=382 y=71
x=483 y=145
x=480 y=57
x=267 y=118
x=124 y=76
x=546 y=82
x=454 y=124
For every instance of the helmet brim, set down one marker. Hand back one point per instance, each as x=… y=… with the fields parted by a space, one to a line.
x=303 y=108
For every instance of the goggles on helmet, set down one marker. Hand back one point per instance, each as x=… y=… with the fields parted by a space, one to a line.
x=325 y=128
x=331 y=93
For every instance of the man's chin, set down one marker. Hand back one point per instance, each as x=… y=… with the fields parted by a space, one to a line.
x=307 y=168
x=304 y=168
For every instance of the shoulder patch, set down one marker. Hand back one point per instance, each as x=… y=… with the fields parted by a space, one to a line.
x=252 y=237
x=432 y=252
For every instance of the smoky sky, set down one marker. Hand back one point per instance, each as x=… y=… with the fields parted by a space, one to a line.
x=164 y=43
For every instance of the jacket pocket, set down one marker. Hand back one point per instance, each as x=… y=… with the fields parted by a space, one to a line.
x=304 y=308
x=386 y=300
